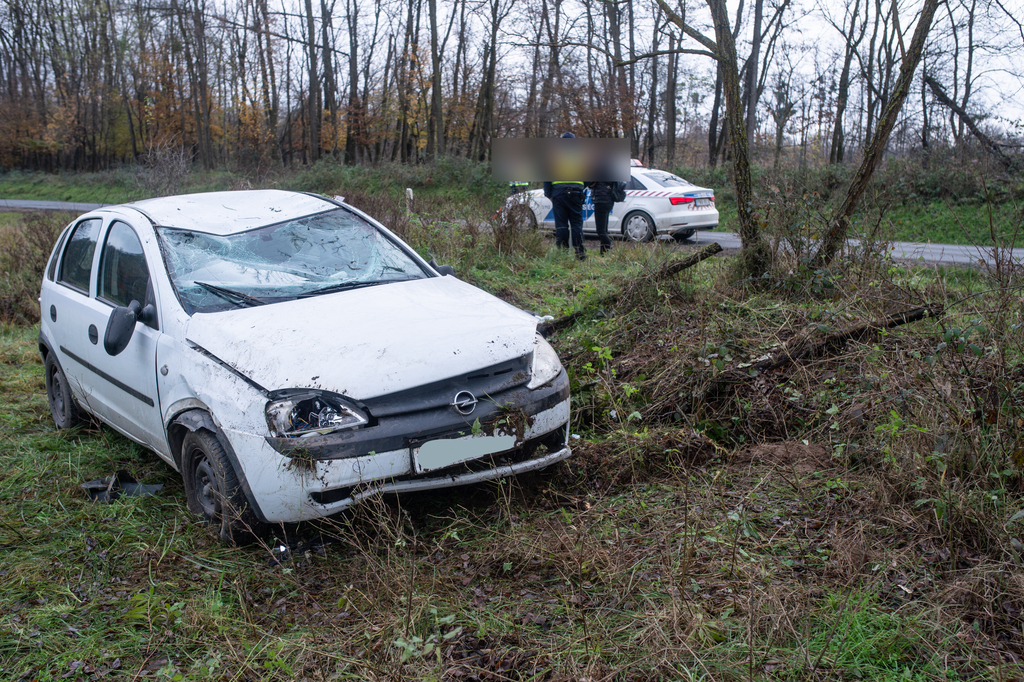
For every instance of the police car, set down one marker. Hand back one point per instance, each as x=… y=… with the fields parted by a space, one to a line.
x=657 y=203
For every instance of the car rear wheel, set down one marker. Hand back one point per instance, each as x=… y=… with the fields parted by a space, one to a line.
x=638 y=227
x=531 y=220
x=213 y=491
x=58 y=393
x=683 y=236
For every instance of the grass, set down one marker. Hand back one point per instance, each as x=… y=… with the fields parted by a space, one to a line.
x=957 y=223
x=450 y=179
x=919 y=204
x=850 y=517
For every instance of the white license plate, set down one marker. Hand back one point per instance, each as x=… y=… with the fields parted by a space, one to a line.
x=438 y=454
x=702 y=203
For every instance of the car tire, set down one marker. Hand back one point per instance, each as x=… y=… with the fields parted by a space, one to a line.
x=684 y=235
x=63 y=407
x=531 y=221
x=213 y=491
x=637 y=227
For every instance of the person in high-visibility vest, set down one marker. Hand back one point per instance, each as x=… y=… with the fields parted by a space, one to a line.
x=567 y=205
x=517 y=187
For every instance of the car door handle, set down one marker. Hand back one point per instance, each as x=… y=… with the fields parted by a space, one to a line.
x=94 y=334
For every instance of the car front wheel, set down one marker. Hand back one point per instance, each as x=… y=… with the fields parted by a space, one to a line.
x=638 y=227
x=58 y=393
x=213 y=491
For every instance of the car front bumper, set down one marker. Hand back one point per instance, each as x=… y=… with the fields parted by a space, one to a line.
x=316 y=477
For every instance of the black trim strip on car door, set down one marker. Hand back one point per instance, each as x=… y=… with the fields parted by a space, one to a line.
x=103 y=375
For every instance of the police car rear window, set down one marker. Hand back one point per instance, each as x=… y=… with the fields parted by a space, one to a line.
x=669 y=180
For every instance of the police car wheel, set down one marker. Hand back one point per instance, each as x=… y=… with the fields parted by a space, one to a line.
x=683 y=236
x=637 y=227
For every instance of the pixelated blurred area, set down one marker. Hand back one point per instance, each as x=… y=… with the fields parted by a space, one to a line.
x=559 y=160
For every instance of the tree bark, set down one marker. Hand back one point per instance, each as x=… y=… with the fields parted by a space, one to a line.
x=751 y=89
x=670 y=104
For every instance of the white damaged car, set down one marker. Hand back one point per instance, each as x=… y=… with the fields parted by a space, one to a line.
x=657 y=203
x=289 y=355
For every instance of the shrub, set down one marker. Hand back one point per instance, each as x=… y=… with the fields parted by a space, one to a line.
x=25 y=248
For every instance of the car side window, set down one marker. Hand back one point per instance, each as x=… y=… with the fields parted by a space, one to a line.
x=635 y=184
x=76 y=265
x=51 y=271
x=124 y=276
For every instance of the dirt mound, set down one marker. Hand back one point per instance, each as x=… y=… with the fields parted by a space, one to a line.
x=804 y=458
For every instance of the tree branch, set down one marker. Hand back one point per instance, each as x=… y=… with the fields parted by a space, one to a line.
x=548 y=328
x=944 y=99
x=801 y=347
x=689 y=30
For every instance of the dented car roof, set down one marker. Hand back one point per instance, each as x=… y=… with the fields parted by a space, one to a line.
x=230 y=212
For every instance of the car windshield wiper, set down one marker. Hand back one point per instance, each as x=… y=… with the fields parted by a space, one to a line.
x=231 y=294
x=345 y=286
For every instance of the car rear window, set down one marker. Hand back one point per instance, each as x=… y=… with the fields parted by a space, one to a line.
x=668 y=180
x=76 y=266
x=634 y=183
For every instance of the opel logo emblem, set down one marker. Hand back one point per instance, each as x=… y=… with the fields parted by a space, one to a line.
x=464 y=403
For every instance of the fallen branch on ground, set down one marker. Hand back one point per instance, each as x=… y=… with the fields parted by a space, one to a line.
x=674 y=267
x=668 y=270
x=801 y=347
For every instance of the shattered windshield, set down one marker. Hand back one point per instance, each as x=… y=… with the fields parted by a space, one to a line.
x=310 y=256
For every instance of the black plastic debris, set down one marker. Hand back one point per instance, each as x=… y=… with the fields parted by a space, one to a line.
x=109 y=489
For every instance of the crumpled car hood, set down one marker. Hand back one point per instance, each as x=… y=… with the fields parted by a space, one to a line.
x=368 y=342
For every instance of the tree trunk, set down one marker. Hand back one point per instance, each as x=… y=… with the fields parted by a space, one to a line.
x=353 y=116
x=435 y=123
x=330 y=80
x=835 y=236
x=713 y=123
x=670 y=104
x=837 y=149
x=751 y=89
x=313 y=100
x=652 y=111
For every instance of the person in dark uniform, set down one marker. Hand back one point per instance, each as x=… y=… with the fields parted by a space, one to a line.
x=601 y=195
x=567 y=205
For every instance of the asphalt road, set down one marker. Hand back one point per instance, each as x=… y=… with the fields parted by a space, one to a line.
x=907 y=251
x=932 y=253
x=72 y=206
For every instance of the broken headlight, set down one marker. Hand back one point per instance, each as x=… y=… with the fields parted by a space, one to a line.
x=546 y=365
x=312 y=413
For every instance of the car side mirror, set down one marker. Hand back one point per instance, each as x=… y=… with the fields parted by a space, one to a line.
x=441 y=269
x=121 y=325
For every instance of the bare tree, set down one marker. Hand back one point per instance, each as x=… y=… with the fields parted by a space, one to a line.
x=835 y=235
x=754 y=255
